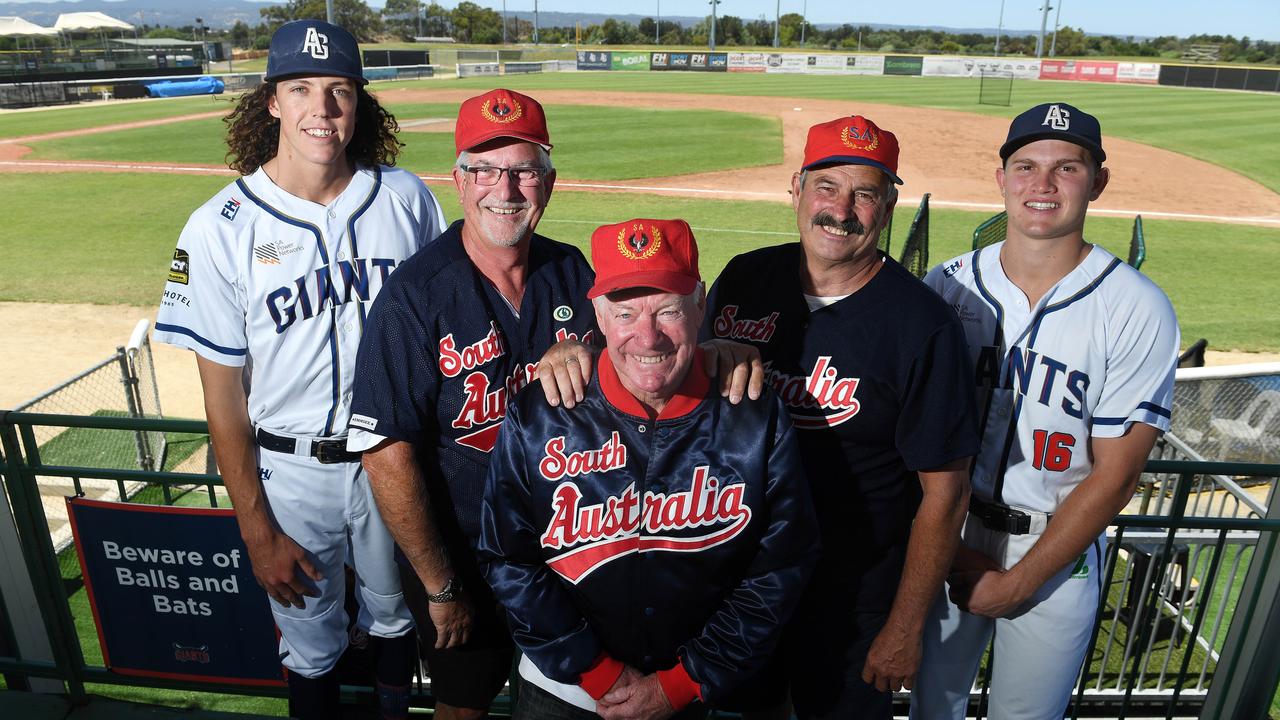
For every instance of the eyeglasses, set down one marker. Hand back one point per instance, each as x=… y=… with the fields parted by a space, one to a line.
x=489 y=175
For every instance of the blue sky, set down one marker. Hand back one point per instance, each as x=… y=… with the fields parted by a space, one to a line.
x=1259 y=19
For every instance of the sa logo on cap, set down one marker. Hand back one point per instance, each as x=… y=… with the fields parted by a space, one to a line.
x=1057 y=118
x=639 y=245
x=501 y=110
x=316 y=44
x=866 y=139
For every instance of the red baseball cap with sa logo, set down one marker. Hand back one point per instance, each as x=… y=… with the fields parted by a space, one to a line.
x=852 y=140
x=500 y=113
x=659 y=254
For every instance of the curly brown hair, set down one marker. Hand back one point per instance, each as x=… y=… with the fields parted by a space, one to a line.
x=253 y=133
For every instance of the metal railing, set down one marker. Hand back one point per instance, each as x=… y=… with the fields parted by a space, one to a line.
x=1183 y=581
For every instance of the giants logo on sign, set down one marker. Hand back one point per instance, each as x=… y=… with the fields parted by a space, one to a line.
x=818 y=400
x=1057 y=118
x=316 y=44
x=595 y=535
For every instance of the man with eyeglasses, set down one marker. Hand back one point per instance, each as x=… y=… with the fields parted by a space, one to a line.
x=874 y=370
x=458 y=332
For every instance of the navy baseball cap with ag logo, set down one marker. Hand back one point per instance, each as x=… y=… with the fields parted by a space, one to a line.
x=313 y=47
x=1055 y=121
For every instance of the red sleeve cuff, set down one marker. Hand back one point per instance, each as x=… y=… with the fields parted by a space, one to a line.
x=601 y=676
x=679 y=688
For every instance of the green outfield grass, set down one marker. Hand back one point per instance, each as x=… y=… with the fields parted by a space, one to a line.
x=1220 y=277
x=1231 y=129
x=32 y=122
x=640 y=143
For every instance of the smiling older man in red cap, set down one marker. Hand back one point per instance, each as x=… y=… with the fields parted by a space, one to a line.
x=874 y=370
x=649 y=544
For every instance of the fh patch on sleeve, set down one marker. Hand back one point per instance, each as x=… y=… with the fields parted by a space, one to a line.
x=180 y=268
x=364 y=422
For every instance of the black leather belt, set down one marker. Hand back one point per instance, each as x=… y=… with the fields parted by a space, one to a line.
x=326 y=451
x=1002 y=518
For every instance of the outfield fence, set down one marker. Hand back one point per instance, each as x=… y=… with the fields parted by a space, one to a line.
x=1188 y=625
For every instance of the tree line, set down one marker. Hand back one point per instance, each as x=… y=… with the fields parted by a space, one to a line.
x=471 y=23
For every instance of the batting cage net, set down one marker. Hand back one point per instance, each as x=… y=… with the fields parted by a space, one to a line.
x=1137 y=244
x=995 y=88
x=915 y=249
x=991 y=231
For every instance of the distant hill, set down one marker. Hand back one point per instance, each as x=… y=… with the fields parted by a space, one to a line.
x=222 y=14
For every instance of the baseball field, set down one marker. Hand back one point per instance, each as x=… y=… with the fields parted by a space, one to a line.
x=97 y=194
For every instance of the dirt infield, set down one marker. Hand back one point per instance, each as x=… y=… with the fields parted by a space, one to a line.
x=947 y=153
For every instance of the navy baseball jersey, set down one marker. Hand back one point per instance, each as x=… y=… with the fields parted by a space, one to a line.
x=875 y=385
x=686 y=539
x=444 y=352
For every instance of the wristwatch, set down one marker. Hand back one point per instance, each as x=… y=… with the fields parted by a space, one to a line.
x=448 y=594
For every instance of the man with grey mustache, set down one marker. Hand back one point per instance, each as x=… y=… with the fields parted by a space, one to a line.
x=874 y=370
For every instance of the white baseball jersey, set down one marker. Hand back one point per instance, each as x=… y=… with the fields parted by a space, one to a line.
x=1094 y=355
x=280 y=284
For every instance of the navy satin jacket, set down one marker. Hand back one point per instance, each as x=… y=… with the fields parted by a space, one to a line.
x=682 y=540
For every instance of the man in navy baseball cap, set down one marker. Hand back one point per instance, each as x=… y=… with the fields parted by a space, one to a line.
x=1055 y=121
x=313 y=47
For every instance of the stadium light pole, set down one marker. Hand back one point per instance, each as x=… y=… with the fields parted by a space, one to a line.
x=804 y=20
x=999 y=27
x=535 y=22
x=328 y=11
x=713 y=4
x=777 y=17
x=1044 y=21
x=657 y=27
x=504 y=22
x=1053 y=45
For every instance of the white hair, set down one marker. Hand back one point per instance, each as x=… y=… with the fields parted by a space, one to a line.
x=691 y=300
x=544 y=158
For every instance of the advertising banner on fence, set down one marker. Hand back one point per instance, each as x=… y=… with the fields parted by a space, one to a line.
x=595 y=60
x=786 y=63
x=477 y=69
x=746 y=62
x=1133 y=72
x=1083 y=70
x=701 y=62
x=630 y=60
x=709 y=62
x=173 y=594
x=975 y=66
x=903 y=64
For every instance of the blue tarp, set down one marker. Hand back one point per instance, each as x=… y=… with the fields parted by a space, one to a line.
x=176 y=88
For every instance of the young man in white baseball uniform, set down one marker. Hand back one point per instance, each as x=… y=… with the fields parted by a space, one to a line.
x=1074 y=354
x=270 y=285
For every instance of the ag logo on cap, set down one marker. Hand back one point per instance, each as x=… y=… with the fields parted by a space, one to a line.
x=639 y=245
x=1057 y=118
x=865 y=139
x=316 y=44
x=501 y=110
